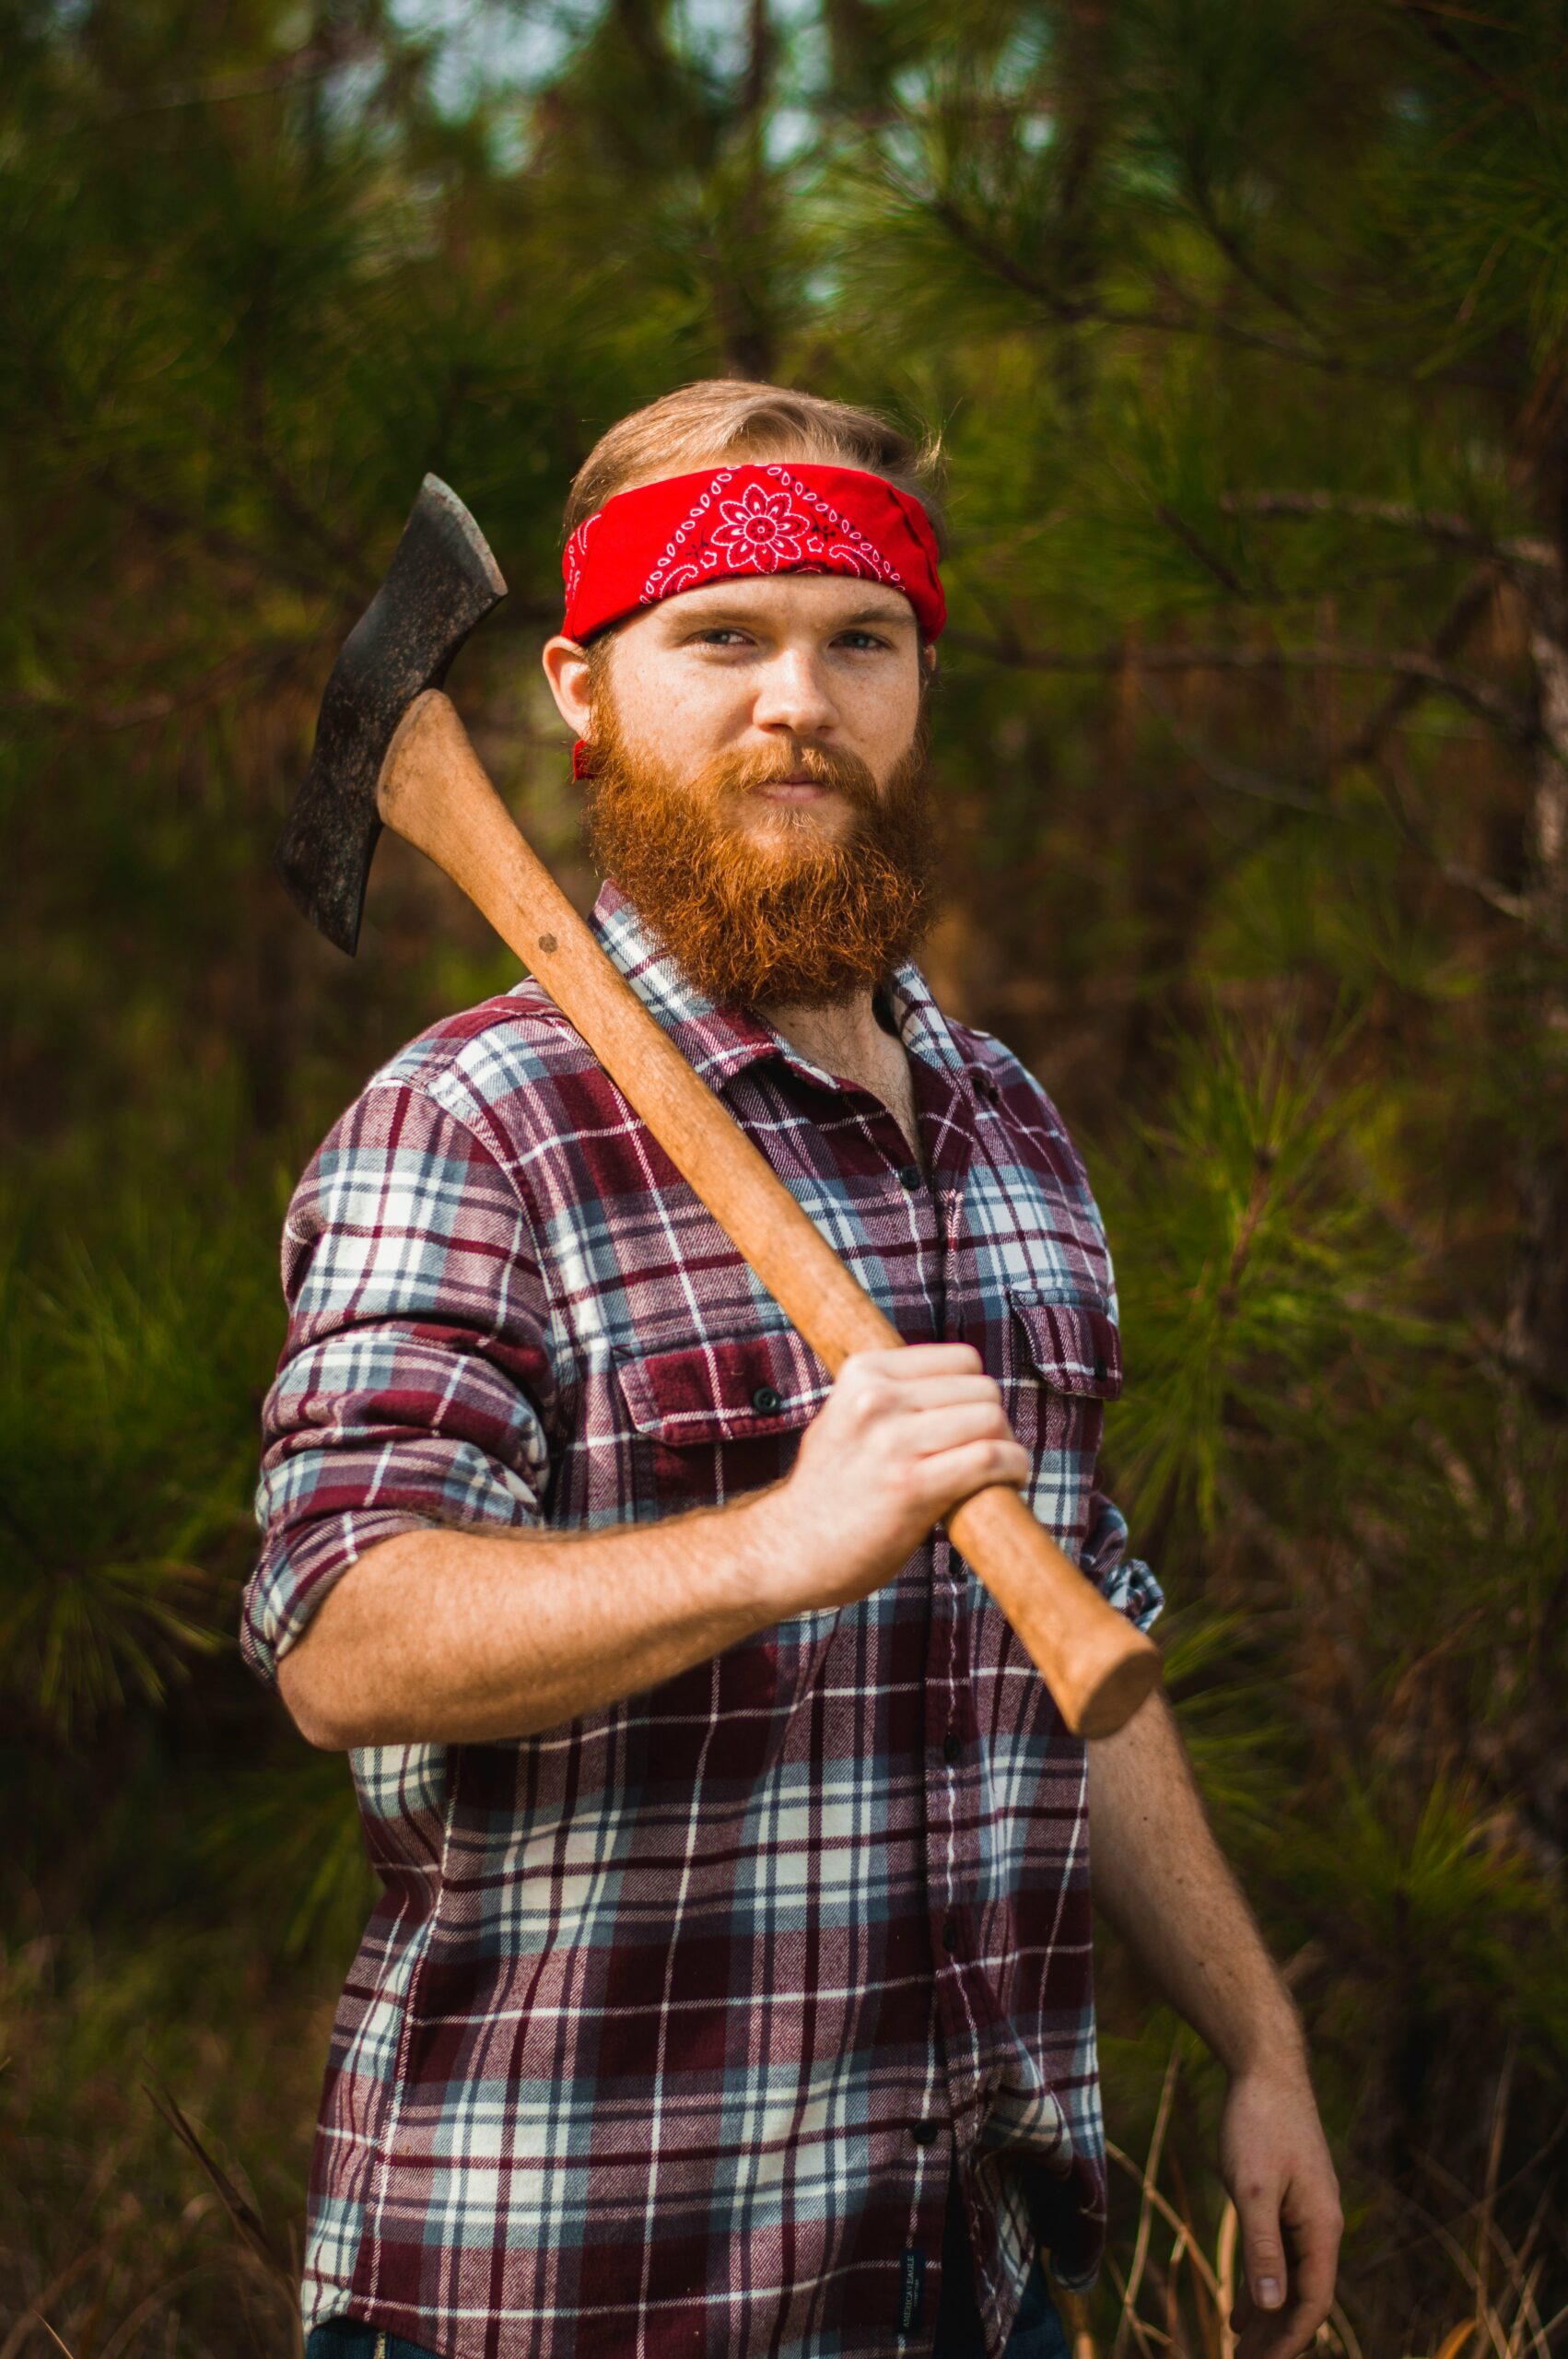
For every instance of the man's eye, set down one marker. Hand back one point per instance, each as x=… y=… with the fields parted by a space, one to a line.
x=862 y=638
x=720 y=636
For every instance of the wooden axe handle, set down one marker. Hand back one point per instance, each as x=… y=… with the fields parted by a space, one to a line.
x=433 y=790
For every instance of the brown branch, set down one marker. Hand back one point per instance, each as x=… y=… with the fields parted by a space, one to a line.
x=240 y=666
x=1514 y=720
x=1232 y=775
x=307 y=65
x=1211 y=559
x=1236 y=254
x=1071 y=311
x=1450 y=634
x=1362 y=747
x=1458 y=532
x=163 y=518
x=1291 y=797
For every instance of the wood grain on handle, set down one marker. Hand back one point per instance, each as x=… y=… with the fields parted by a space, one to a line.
x=435 y=793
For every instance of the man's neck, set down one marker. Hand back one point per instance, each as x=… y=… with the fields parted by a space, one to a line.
x=843 y=1037
x=850 y=1040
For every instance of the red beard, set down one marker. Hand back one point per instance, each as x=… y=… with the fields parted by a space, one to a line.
x=776 y=913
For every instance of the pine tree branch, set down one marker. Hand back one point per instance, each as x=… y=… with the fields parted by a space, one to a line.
x=1226 y=773
x=1236 y=254
x=1429 y=20
x=1290 y=796
x=1515 y=721
x=311 y=63
x=1074 y=311
x=1418 y=676
x=1473 y=599
x=1456 y=532
x=242 y=667
x=166 y=521
x=1210 y=558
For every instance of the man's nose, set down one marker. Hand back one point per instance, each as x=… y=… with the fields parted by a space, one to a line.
x=793 y=695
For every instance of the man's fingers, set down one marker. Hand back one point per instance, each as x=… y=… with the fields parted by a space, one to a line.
x=949 y=1428
x=1314 y=2224
x=946 y=1391
x=1281 y=2330
x=1262 y=2246
x=906 y=1361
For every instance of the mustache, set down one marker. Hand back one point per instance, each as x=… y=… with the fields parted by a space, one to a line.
x=774 y=765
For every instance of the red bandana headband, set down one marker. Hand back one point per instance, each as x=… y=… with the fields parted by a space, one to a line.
x=727 y=523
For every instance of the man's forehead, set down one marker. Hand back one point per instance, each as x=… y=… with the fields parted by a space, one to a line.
x=835 y=601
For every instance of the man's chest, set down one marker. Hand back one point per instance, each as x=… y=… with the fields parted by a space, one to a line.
x=674 y=1360
x=634 y=1260
x=891 y=1080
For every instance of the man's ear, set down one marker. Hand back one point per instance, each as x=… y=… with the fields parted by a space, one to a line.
x=567 y=669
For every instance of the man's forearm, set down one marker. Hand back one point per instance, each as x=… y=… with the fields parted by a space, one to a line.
x=464 y=1636
x=1161 y=1880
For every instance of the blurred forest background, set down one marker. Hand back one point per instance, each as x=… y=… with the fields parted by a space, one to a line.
x=1246 y=331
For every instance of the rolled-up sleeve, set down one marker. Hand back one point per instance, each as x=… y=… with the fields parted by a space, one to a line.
x=416 y=1384
x=1124 y=1581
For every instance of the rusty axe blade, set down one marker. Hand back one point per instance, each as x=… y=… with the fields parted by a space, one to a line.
x=443 y=581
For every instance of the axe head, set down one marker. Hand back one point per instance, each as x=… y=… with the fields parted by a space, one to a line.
x=442 y=579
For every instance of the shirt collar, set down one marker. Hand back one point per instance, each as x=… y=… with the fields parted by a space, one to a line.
x=720 y=1041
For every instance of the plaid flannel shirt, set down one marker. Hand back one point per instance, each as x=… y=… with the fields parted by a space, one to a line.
x=666 y=2019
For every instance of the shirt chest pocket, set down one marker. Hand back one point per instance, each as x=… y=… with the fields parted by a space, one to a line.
x=709 y=1421
x=1064 y=1364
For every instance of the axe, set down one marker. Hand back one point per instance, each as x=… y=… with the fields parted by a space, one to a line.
x=391 y=751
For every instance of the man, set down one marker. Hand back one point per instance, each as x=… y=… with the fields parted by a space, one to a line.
x=730 y=1989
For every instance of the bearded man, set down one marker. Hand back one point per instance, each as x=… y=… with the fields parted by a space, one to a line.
x=728 y=1990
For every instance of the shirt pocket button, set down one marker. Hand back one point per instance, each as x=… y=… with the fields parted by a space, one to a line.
x=766 y=1400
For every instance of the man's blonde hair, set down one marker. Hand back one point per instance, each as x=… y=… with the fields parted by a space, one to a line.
x=727 y=417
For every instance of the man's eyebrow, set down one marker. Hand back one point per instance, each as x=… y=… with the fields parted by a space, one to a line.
x=902 y=613
x=718 y=617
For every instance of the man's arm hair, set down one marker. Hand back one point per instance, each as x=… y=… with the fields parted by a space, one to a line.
x=1161 y=1879
x=453 y=1636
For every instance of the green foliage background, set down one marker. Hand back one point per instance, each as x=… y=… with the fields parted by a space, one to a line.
x=1245 y=331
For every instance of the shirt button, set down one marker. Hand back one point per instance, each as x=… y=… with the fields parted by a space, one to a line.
x=922 y=2133
x=950 y=1934
x=910 y=1177
x=951 y=1747
x=766 y=1399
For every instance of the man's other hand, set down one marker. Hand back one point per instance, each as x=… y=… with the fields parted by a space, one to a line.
x=1274 y=2160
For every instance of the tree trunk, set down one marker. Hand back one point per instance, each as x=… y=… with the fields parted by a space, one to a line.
x=1538 y=1311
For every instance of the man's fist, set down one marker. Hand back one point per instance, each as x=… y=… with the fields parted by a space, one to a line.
x=903 y=1436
